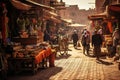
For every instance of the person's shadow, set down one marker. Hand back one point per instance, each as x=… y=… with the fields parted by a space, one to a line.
x=104 y=62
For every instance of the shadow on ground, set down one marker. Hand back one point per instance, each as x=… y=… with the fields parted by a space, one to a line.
x=42 y=74
x=63 y=56
x=104 y=62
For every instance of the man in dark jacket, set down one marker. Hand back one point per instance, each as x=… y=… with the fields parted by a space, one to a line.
x=75 y=39
x=96 y=43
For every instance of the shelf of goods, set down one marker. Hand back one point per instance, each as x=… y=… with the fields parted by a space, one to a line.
x=27 y=41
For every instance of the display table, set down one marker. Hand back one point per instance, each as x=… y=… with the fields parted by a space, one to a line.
x=31 y=63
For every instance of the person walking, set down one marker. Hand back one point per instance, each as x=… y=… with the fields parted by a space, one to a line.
x=96 y=43
x=75 y=38
x=85 y=40
x=116 y=38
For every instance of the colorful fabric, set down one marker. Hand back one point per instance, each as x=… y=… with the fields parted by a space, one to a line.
x=43 y=54
x=110 y=27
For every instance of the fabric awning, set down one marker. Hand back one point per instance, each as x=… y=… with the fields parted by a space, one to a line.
x=19 y=5
x=115 y=7
x=40 y=5
x=67 y=20
x=50 y=13
x=55 y=19
x=77 y=25
x=114 y=10
x=98 y=16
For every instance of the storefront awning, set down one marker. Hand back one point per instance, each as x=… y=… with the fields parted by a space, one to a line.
x=114 y=10
x=19 y=5
x=40 y=5
x=77 y=25
x=55 y=19
x=67 y=20
x=115 y=7
x=98 y=16
x=50 y=13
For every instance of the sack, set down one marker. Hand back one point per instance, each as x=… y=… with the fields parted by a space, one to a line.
x=78 y=44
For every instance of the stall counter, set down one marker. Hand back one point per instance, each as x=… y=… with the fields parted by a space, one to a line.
x=31 y=63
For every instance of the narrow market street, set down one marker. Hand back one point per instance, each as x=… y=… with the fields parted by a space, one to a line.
x=75 y=66
x=34 y=38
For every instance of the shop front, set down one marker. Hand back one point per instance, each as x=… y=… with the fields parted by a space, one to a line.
x=23 y=35
x=101 y=22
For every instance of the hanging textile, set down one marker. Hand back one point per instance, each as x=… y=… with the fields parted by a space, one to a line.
x=110 y=26
x=4 y=23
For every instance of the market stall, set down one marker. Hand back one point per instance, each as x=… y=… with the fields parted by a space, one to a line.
x=30 y=60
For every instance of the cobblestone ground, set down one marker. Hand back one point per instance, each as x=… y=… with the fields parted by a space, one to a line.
x=75 y=66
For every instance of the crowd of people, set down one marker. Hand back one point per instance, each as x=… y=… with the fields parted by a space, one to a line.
x=86 y=39
x=95 y=39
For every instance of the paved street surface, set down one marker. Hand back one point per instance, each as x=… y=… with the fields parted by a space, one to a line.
x=75 y=66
